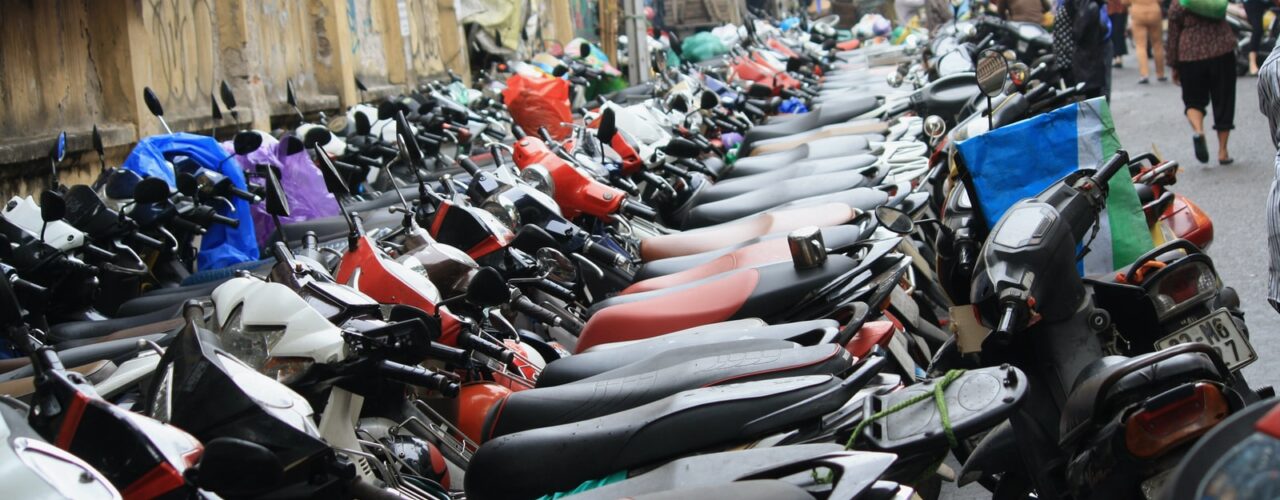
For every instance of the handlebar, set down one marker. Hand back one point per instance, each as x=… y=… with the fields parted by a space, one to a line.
x=483 y=346
x=637 y=209
x=1113 y=165
x=469 y=165
x=222 y=219
x=604 y=253
x=535 y=311
x=418 y=376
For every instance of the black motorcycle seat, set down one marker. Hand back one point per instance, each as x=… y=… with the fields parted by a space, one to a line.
x=778 y=183
x=864 y=199
x=166 y=297
x=830 y=147
x=608 y=357
x=566 y=455
x=336 y=228
x=117 y=351
x=1146 y=381
x=656 y=378
x=81 y=330
x=820 y=117
x=784 y=192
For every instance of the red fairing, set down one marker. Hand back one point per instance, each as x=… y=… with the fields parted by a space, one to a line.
x=631 y=162
x=576 y=192
x=385 y=287
x=711 y=302
x=1189 y=222
x=1270 y=423
x=871 y=334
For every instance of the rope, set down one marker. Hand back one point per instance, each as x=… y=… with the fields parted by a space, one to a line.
x=938 y=400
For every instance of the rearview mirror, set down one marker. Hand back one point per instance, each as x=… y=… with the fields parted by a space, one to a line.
x=680 y=147
x=488 y=289
x=556 y=265
x=608 y=126
x=151 y=190
x=317 y=135
x=360 y=85
x=332 y=181
x=187 y=184
x=559 y=71
x=584 y=49
x=153 y=102
x=363 y=127
x=232 y=467
x=97 y=142
x=934 y=126
x=992 y=68
x=247 y=142
x=678 y=103
x=894 y=80
x=59 y=150
x=895 y=220
x=709 y=100
x=277 y=203
x=53 y=206
x=228 y=97
x=216 y=111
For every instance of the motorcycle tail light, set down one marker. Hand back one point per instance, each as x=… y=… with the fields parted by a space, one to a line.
x=1178 y=288
x=1173 y=418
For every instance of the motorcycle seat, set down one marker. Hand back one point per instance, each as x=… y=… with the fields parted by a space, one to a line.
x=81 y=330
x=745 y=184
x=606 y=357
x=116 y=351
x=729 y=233
x=165 y=297
x=755 y=489
x=656 y=378
x=762 y=253
x=822 y=116
x=794 y=191
x=1149 y=380
x=335 y=227
x=22 y=388
x=674 y=426
x=865 y=225
x=831 y=147
x=762 y=292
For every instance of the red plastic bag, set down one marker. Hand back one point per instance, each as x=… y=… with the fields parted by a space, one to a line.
x=539 y=102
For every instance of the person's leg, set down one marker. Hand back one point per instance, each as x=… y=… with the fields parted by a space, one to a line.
x=1140 y=34
x=1222 y=93
x=1255 y=11
x=1156 y=32
x=1195 y=96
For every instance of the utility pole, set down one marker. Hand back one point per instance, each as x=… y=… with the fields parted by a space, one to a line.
x=637 y=42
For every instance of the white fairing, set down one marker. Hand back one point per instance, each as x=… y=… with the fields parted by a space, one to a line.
x=31 y=468
x=337 y=146
x=307 y=333
x=25 y=213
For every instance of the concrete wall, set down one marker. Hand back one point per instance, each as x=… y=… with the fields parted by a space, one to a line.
x=71 y=64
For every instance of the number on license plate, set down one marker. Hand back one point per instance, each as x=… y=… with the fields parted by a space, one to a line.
x=1219 y=332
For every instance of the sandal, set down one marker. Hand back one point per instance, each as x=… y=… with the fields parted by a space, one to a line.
x=1226 y=161
x=1162 y=79
x=1202 y=149
x=1143 y=81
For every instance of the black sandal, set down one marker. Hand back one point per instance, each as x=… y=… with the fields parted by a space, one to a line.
x=1226 y=161
x=1202 y=149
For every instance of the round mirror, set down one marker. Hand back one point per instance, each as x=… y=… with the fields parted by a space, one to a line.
x=1018 y=73
x=540 y=178
x=151 y=190
x=556 y=265
x=894 y=80
x=895 y=220
x=992 y=68
x=487 y=288
x=935 y=126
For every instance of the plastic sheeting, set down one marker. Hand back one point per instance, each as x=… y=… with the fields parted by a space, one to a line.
x=301 y=180
x=222 y=245
x=539 y=101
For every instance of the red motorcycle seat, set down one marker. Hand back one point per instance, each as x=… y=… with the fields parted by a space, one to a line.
x=729 y=233
x=710 y=302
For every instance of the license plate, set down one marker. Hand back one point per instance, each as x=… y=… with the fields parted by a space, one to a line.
x=1219 y=332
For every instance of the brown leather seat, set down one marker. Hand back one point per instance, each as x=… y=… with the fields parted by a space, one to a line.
x=23 y=388
x=729 y=233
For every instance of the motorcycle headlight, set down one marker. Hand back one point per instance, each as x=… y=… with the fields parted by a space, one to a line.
x=503 y=210
x=251 y=345
x=1182 y=286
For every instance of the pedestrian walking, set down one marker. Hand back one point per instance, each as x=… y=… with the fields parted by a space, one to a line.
x=1081 y=44
x=1269 y=103
x=1202 y=54
x=1147 y=18
x=1255 y=10
x=1022 y=11
x=1118 y=11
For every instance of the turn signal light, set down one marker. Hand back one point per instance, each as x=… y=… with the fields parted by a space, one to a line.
x=1173 y=418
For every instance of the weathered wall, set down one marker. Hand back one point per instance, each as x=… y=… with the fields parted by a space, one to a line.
x=71 y=64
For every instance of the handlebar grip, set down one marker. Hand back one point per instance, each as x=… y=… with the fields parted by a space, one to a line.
x=545 y=134
x=556 y=289
x=1113 y=165
x=384 y=150
x=99 y=252
x=27 y=286
x=518 y=132
x=603 y=252
x=242 y=194
x=637 y=209
x=185 y=225
x=222 y=219
x=446 y=353
x=485 y=347
x=535 y=311
x=469 y=165
x=418 y=376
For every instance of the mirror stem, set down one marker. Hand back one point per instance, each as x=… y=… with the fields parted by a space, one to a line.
x=164 y=124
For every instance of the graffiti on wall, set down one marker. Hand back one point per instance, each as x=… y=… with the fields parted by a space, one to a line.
x=286 y=41
x=182 y=37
